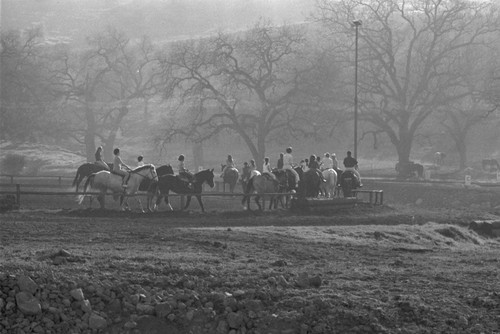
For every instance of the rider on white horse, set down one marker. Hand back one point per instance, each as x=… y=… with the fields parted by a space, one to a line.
x=327 y=162
x=117 y=167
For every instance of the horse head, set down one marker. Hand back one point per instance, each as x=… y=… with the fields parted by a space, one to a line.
x=206 y=175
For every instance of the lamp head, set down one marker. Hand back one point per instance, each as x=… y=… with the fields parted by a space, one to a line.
x=357 y=23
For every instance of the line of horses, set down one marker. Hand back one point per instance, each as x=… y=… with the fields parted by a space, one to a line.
x=159 y=182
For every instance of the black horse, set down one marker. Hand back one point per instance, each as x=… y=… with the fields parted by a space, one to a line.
x=310 y=181
x=86 y=170
x=167 y=183
x=151 y=186
x=229 y=177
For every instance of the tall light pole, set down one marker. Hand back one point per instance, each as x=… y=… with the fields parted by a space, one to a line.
x=356 y=24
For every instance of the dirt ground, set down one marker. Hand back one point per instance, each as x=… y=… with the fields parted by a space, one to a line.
x=410 y=266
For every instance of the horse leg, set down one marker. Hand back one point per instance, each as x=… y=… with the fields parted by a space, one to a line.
x=101 y=199
x=257 y=200
x=198 y=197
x=188 y=201
x=168 y=203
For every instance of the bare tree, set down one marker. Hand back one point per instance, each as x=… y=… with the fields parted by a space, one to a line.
x=254 y=83
x=407 y=59
x=100 y=84
x=473 y=108
x=25 y=93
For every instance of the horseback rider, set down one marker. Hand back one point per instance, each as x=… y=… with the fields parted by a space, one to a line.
x=351 y=164
x=279 y=164
x=229 y=164
x=140 y=161
x=253 y=169
x=335 y=162
x=327 y=162
x=266 y=170
x=184 y=173
x=98 y=158
x=288 y=165
x=117 y=167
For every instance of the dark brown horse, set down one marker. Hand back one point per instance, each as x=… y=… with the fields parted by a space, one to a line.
x=86 y=170
x=229 y=177
x=168 y=183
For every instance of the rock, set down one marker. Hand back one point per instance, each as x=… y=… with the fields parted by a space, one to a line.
x=63 y=253
x=77 y=294
x=97 y=322
x=58 y=260
x=28 y=304
x=315 y=281
x=145 y=309
x=282 y=281
x=222 y=327
x=26 y=284
x=303 y=280
x=419 y=201
x=130 y=324
x=235 y=320
x=163 y=309
x=86 y=307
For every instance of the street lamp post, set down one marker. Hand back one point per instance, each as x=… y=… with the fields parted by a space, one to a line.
x=356 y=24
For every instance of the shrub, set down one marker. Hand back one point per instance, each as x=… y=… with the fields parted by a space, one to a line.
x=13 y=164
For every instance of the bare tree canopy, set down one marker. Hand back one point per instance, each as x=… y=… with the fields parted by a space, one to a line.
x=408 y=56
x=254 y=84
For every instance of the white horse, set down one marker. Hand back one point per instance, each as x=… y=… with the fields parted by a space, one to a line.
x=105 y=181
x=328 y=187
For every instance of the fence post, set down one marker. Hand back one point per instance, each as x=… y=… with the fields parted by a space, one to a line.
x=18 y=194
x=59 y=180
x=11 y=179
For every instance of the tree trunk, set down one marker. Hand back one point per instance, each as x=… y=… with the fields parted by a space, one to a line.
x=90 y=134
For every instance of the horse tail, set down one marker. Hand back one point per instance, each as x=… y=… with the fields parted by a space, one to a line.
x=89 y=181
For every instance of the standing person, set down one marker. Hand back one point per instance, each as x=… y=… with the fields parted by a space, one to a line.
x=327 y=162
x=98 y=158
x=229 y=164
x=253 y=169
x=351 y=164
x=140 y=161
x=280 y=162
x=266 y=169
x=245 y=173
x=117 y=167
x=288 y=165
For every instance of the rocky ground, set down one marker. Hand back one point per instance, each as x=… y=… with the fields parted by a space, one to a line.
x=388 y=269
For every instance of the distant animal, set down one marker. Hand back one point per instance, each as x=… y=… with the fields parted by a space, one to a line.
x=490 y=165
x=309 y=185
x=439 y=158
x=263 y=186
x=328 y=188
x=106 y=181
x=348 y=182
x=168 y=183
x=409 y=169
x=85 y=170
x=151 y=186
x=230 y=178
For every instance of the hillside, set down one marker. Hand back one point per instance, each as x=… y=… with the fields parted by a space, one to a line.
x=41 y=159
x=159 y=19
